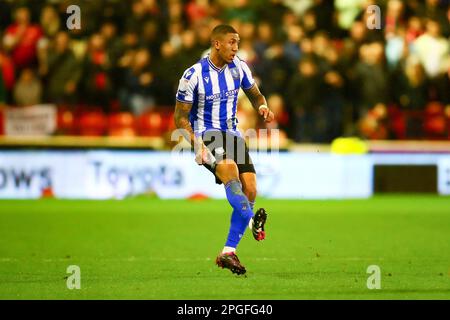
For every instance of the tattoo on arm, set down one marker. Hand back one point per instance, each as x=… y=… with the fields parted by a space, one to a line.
x=182 y=111
x=255 y=96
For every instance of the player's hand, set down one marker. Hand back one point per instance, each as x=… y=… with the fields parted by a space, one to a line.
x=200 y=154
x=265 y=112
x=203 y=154
x=198 y=150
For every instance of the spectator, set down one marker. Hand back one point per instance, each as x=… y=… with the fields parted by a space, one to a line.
x=277 y=69
x=7 y=75
x=129 y=41
x=5 y=14
x=371 y=78
x=394 y=19
x=272 y=12
x=299 y=7
x=248 y=54
x=176 y=12
x=434 y=10
x=292 y=45
x=396 y=47
x=152 y=8
x=414 y=29
x=309 y=23
x=167 y=70
x=323 y=11
x=190 y=51
x=2 y=93
x=334 y=92
x=62 y=71
x=121 y=50
x=108 y=30
x=304 y=98
x=203 y=34
x=98 y=88
x=264 y=38
x=115 y=47
x=151 y=37
x=358 y=35
x=348 y=10
x=306 y=47
x=175 y=30
x=28 y=89
x=138 y=95
x=432 y=50
x=446 y=96
x=320 y=46
x=240 y=10
x=289 y=20
x=50 y=21
x=411 y=95
x=197 y=10
x=247 y=31
x=136 y=19
x=21 y=39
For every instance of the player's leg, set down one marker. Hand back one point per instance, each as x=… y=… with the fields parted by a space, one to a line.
x=247 y=176
x=256 y=224
x=248 y=180
x=227 y=171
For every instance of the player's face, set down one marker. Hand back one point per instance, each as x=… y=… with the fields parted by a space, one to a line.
x=229 y=46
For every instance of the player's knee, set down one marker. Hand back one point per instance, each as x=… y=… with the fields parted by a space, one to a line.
x=227 y=170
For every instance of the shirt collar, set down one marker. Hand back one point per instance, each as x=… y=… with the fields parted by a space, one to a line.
x=213 y=66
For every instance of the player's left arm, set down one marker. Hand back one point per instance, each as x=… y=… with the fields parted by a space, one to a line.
x=259 y=102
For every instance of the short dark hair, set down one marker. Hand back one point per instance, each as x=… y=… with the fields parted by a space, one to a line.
x=220 y=30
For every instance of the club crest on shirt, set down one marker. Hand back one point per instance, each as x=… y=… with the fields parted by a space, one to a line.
x=234 y=73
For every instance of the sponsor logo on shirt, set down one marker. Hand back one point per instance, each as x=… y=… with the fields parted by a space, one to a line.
x=222 y=95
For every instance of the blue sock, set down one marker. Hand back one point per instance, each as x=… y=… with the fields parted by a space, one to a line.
x=242 y=212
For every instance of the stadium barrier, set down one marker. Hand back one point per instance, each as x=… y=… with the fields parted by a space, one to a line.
x=85 y=121
x=106 y=174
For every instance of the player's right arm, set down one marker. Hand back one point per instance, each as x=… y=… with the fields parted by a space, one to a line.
x=187 y=89
x=182 y=112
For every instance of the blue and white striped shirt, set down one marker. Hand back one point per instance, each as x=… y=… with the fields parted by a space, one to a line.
x=213 y=93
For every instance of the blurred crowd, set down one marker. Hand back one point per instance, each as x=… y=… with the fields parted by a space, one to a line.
x=324 y=71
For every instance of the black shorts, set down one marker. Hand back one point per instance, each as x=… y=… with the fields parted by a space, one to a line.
x=228 y=146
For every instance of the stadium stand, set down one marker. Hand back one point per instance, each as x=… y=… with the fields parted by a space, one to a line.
x=1 y=122
x=92 y=123
x=122 y=124
x=331 y=74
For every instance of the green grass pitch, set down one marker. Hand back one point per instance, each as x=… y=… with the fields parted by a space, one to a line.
x=145 y=248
